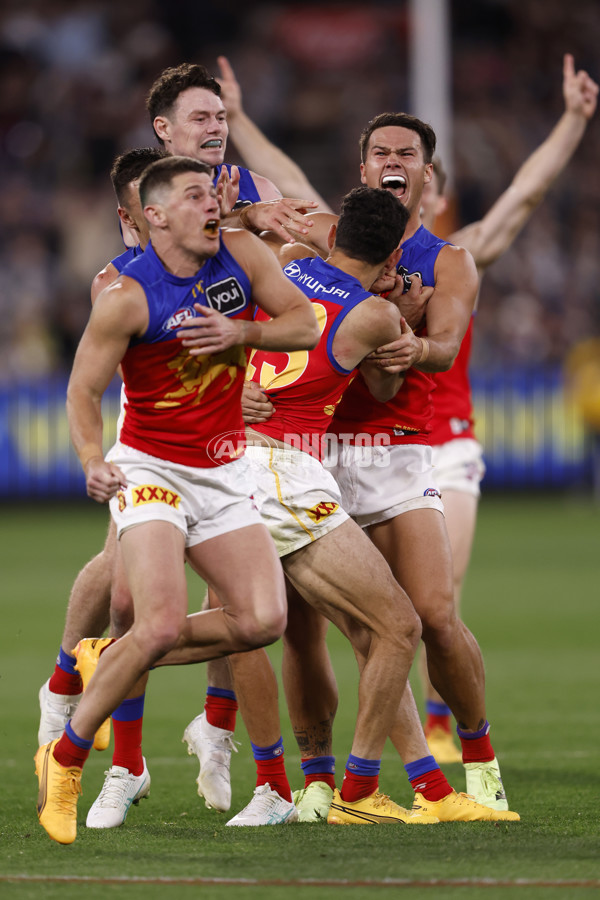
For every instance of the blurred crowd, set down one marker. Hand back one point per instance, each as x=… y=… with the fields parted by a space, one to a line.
x=73 y=79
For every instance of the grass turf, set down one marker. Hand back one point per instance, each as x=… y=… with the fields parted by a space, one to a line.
x=531 y=599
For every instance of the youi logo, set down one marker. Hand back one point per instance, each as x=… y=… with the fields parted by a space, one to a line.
x=226 y=296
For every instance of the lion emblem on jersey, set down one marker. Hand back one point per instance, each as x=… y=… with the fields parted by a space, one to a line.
x=198 y=373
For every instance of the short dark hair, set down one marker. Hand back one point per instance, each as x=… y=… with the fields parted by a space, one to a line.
x=174 y=81
x=371 y=224
x=162 y=172
x=130 y=165
x=400 y=120
x=440 y=173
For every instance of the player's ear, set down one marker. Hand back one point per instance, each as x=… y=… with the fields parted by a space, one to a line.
x=331 y=236
x=155 y=215
x=363 y=177
x=394 y=259
x=126 y=219
x=162 y=127
x=428 y=173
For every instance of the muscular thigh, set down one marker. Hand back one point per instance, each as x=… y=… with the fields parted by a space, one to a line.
x=345 y=578
x=152 y=557
x=461 y=517
x=239 y=565
x=417 y=548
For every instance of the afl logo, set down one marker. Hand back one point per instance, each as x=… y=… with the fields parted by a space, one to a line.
x=177 y=318
x=293 y=270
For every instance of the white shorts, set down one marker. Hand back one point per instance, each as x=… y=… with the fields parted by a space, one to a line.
x=459 y=466
x=297 y=498
x=380 y=483
x=201 y=502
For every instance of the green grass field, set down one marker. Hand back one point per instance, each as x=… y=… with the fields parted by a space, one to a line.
x=532 y=601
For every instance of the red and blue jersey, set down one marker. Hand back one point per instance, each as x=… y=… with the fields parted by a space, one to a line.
x=178 y=405
x=453 y=407
x=305 y=386
x=406 y=419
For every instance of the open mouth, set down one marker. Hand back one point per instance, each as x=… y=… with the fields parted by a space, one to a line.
x=212 y=227
x=213 y=144
x=394 y=182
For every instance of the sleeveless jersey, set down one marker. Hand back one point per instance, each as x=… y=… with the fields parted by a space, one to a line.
x=179 y=405
x=406 y=419
x=453 y=408
x=305 y=386
x=120 y=261
x=248 y=193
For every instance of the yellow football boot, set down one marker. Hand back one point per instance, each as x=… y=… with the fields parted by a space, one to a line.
x=442 y=746
x=88 y=653
x=376 y=809
x=58 y=793
x=461 y=808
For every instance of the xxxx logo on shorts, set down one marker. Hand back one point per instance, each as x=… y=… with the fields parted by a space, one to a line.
x=152 y=493
x=322 y=510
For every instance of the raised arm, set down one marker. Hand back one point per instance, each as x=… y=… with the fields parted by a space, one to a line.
x=487 y=239
x=257 y=151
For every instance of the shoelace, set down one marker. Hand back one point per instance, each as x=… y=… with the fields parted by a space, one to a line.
x=223 y=745
x=113 y=789
x=383 y=801
x=263 y=801
x=67 y=790
x=491 y=782
x=58 y=709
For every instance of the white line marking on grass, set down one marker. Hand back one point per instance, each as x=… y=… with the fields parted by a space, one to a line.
x=305 y=882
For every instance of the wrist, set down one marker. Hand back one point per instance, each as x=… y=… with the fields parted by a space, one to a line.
x=88 y=452
x=245 y=221
x=424 y=350
x=250 y=333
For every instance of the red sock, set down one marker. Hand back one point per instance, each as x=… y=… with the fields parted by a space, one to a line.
x=221 y=711
x=477 y=749
x=68 y=754
x=433 y=785
x=273 y=771
x=62 y=682
x=355 y=787
x=128 y=745
x=326 y=777
x=434 y=720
